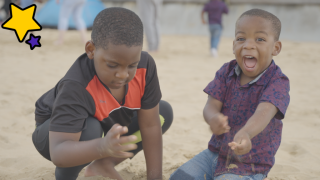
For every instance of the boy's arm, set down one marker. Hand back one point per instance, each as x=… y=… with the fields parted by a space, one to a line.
x=202 y=18
x=260 y=119
x=256 y=124
x=67 y=151
x=212 y=115
x=225 y=9
x=151 y=133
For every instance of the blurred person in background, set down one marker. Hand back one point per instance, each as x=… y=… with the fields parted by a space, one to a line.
x=6 y=8
x=149 y=11
x=75 y=8
x=26 y=3
x=214 y=9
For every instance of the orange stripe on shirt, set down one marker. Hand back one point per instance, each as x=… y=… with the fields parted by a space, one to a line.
x=104 y=101
x=136 y=89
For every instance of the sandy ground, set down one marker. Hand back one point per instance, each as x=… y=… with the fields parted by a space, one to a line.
x=185 y=68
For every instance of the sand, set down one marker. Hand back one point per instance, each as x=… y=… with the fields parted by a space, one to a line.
x=185 y=68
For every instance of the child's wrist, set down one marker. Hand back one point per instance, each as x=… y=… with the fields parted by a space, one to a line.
x=102 y=149
x=246 y=132
x=214 y=117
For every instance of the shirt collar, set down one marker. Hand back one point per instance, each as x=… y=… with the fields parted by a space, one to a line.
x=260 y=79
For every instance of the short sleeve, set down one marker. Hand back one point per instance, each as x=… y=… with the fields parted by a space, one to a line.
x=71 y=107
x=225 y=9
x=217 y=88
x=206 y=7
x=277 y=93
x=152 y=93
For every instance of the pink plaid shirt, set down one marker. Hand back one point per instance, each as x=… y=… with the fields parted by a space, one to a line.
x=239 y=104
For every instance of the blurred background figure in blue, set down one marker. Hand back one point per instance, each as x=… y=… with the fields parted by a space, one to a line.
x=149 y=11
x=214 y=9
x=74 y=8
x=26 y=3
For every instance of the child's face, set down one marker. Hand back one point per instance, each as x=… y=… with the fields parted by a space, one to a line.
x=254 y=45
x=115 y=66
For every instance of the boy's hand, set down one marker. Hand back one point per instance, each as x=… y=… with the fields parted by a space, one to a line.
x=203 y=21
x=219 y=124
x=241 y=143
x=112 y=143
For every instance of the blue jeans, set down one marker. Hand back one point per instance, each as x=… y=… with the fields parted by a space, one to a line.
x=202 y=167
x=215 y=32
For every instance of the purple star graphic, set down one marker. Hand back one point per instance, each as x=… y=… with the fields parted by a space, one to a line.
x=33 y=41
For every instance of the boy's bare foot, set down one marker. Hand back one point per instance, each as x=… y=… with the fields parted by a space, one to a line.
x=97 y=168
x=104 y=167
x=266 y=179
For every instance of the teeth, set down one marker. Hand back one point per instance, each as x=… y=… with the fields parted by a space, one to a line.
x=249 y=57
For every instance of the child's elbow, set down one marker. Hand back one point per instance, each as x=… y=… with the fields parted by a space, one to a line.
x=60 y=164
x=58 y=161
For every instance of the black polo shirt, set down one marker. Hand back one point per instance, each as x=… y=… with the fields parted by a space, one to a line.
x=80 y=94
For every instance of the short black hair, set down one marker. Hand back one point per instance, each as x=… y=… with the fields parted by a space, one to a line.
x=118 y=26
x=276 y=23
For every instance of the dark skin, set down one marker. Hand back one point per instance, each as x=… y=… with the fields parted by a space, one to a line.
x=255 y=38
x=242 y=141
x=115 y=67
x=202 y=17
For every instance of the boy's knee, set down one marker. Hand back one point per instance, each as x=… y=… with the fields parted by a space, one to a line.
x=92 y=130
x=166 y=112
x=180 y=174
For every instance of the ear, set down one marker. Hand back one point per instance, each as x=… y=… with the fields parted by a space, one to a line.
x=90 y=48
x=277 y=48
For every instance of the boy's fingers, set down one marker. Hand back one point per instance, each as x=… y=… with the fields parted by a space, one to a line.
x=114 y=127
x=115 y=130
x=243 y=147
x=128 y=147
x=224 y=120
x=227 y=127
x=233 y=145
x=127 y=139
x=118 y=130
x=123 y=154
x=124 y=130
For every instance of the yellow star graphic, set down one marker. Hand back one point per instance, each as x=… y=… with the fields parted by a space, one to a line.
x=22 y=21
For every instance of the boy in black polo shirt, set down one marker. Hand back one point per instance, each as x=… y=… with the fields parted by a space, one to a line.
x=112 y=86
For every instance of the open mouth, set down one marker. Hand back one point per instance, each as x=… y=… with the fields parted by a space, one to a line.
x=249 y=62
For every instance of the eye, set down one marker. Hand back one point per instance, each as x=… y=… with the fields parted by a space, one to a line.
x=260 y=39
x=112 y=66
x=133 y=66
x=240 y=39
